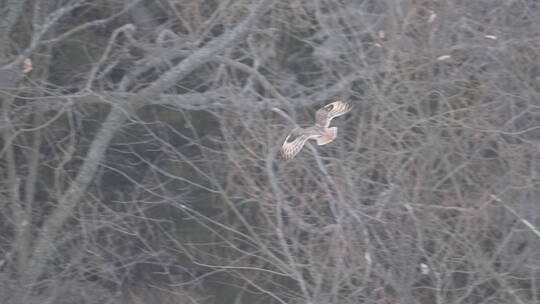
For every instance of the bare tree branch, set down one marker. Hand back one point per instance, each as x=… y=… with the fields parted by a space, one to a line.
x=44 y=246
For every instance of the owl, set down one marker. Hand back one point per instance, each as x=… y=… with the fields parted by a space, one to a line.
x=320 y=131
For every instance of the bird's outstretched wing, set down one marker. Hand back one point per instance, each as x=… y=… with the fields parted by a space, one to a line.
x=294 y=142
x=325 y=114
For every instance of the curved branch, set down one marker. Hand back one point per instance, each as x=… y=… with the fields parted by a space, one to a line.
x=206 y=53
x=44 y=245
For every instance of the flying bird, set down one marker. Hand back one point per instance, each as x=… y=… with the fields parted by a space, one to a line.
x=320 y=131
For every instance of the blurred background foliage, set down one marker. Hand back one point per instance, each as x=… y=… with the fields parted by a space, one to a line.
x=428 y=195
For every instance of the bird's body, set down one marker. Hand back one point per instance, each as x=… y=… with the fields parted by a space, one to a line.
x=320 y=131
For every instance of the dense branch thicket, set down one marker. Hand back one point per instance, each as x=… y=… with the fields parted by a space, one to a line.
x=139 y=152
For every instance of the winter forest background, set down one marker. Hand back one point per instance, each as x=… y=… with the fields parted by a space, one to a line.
x=139 y=151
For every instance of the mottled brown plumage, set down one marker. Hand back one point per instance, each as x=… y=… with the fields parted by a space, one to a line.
x=320 y=131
